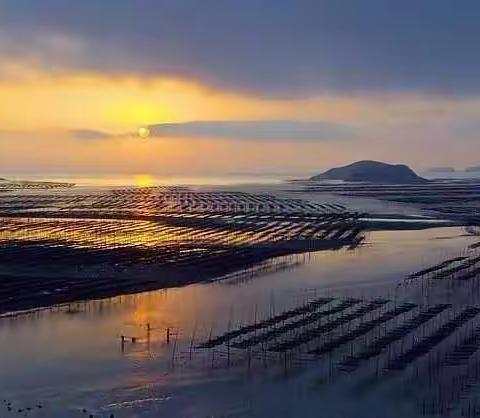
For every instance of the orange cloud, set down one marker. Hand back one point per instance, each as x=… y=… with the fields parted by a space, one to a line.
x=54 y=109
x=97 y=101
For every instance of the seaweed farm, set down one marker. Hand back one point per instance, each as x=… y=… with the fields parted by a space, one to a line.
x=239 y=209
x=190 y=302
x=454 y=199
x=408 y=344
x=425 y=332
x=150 y=201
x=9 y=185
x=66 y=245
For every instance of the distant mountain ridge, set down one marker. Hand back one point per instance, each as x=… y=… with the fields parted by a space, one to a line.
x=373 y=172
x=31 y=184
x=473 y=169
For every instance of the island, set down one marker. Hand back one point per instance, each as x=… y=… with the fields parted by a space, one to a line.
x=372 y=172
x=474 y=169
x=441 y=170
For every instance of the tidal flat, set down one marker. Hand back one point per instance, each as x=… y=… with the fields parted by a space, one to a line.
x=309 y=299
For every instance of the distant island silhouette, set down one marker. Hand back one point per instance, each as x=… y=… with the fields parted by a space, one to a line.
x=441 y=170
x=373 y=172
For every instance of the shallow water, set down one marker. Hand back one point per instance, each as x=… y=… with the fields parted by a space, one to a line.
x=147 y=179
x=71 y=358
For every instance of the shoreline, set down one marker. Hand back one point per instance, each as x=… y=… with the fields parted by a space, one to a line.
x=139 y=278
x=26 y=292
x=57 y=249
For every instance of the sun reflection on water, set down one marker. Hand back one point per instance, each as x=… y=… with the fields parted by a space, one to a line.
x=144 y=180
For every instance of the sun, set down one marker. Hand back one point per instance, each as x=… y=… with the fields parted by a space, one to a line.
x=144 y=180
x=143 y=132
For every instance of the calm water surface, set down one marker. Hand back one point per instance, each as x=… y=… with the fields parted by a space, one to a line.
x=71 y=359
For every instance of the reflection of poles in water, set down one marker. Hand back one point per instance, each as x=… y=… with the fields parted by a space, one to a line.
x=213 y=356
x=230 y=318
x=194 y=332
x=149 y=329
x=272 y=304
x=212 y=350
x=174 y=349
x=255 y=319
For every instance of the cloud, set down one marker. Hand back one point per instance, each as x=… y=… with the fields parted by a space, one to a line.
x=290 y=47
x=276 y=130
x=89 y=134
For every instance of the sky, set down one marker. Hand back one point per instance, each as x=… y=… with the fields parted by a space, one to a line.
x=237 y=86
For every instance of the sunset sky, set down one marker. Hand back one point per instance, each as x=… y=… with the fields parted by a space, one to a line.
x=237 y=86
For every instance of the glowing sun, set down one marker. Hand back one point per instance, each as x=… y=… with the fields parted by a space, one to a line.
x=143 y=132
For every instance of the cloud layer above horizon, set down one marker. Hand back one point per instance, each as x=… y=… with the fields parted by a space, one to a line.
x=262 y=130
x=288 y=47
x=337 y=80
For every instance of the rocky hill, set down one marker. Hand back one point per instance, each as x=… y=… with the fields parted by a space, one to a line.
x=373 y=172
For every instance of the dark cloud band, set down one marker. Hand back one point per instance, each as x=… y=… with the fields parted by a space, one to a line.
x=255 y=130
x=286 y=47
x=88 y=134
